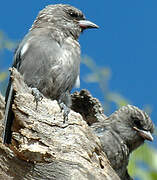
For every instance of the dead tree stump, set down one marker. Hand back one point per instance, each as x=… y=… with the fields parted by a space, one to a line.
x=43 y=147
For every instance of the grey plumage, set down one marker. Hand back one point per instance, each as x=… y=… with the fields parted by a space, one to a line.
x=121 y=133
x=49 y=56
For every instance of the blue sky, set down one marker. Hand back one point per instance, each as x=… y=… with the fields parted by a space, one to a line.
x=126 y=42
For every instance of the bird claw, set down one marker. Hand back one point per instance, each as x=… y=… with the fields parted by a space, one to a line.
x=37 y=96
x=65 y=111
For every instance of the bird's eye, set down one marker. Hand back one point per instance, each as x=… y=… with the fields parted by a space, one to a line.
x=73 y=14
x=137 y=124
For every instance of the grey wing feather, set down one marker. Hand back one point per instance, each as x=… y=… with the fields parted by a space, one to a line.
x=50 y=67
x=46 y=65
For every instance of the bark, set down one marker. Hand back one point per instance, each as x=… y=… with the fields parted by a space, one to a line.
x=43 y=147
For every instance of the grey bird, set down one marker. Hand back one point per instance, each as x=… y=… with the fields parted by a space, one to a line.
x=49 y=57
x=121 y=133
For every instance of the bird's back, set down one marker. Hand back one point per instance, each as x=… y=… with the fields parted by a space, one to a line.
x=115 y=148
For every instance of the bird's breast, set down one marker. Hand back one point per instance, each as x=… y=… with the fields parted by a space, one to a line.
x=70 y=54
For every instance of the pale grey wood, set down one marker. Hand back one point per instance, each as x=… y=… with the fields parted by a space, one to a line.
x=43 y=147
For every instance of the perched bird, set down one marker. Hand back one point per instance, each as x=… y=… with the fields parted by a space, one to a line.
x=121 y=133
x=49 y=57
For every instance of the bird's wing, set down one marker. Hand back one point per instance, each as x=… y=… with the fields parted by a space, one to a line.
x=42 y=57
x=34 y=57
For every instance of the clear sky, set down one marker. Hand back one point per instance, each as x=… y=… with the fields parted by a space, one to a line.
x=126 y=42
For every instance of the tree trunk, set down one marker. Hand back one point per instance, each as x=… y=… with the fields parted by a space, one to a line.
x=43 y=147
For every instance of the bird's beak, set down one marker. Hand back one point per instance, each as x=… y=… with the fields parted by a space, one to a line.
x=84 y=24
x=144 y=134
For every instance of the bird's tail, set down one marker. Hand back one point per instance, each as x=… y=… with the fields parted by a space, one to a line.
x=9 y=115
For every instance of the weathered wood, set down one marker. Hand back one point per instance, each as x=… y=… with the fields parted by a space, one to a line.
x=43 y=147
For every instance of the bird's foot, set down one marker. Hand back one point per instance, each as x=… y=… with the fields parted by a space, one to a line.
x=37 y=96
x=65 y=110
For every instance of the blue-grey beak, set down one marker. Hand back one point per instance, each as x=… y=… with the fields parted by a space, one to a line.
x=144 y=134
x=85 y=24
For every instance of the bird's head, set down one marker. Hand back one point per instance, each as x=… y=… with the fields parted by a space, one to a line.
x=133 y=125
x=64 y=18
